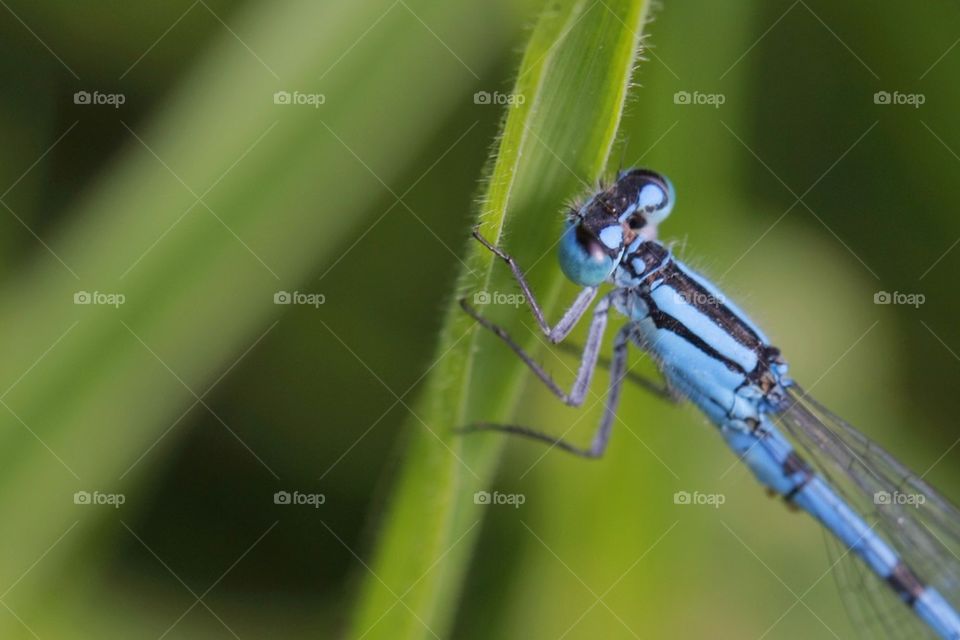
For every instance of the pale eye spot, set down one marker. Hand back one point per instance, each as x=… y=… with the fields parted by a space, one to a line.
x=612 y=237
x=650 y=196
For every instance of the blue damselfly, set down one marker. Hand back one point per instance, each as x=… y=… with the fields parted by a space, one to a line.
x=710 y=353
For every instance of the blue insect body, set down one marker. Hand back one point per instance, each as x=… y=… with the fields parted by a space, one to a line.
x=710 y=353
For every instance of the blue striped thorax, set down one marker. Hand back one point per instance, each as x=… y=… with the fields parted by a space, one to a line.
x=707 y=347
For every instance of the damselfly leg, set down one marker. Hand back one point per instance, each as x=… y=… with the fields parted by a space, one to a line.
x=588 y=359
x=662 y=389
x=570 y=317
x=601 y=436
x=589 y=353
x=585 y=371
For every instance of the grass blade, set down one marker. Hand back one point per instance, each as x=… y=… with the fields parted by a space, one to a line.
x=569 y=95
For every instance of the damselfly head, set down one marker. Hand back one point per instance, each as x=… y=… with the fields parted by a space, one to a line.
x=599 y=231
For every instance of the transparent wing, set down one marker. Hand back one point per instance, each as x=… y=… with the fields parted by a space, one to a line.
x=875 y=611
x=922 y=525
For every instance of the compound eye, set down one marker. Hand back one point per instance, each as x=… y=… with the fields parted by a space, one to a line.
x=584 y=259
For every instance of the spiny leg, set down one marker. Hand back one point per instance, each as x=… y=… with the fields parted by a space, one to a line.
x=570 y=317
x=662 y=389
x=602 y=435
x=618 y=367
x=588 y=361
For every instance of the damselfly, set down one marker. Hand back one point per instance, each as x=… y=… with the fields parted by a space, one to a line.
x=709 y=352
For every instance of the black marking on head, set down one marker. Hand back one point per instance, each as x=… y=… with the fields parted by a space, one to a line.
x=590 y=241
x=631 y=181
x=611 y=201
x=906 y=583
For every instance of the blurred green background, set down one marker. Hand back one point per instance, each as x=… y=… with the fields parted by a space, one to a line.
x=200 y=197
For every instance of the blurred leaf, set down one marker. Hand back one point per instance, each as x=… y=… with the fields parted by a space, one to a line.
x=91 y=389
x=566 y=107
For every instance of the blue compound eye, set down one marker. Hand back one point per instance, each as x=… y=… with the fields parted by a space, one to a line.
x=584 y=259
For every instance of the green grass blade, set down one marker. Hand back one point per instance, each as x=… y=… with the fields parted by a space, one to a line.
x=573 y=82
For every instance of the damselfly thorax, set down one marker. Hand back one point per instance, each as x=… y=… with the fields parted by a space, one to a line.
x=679 y=317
